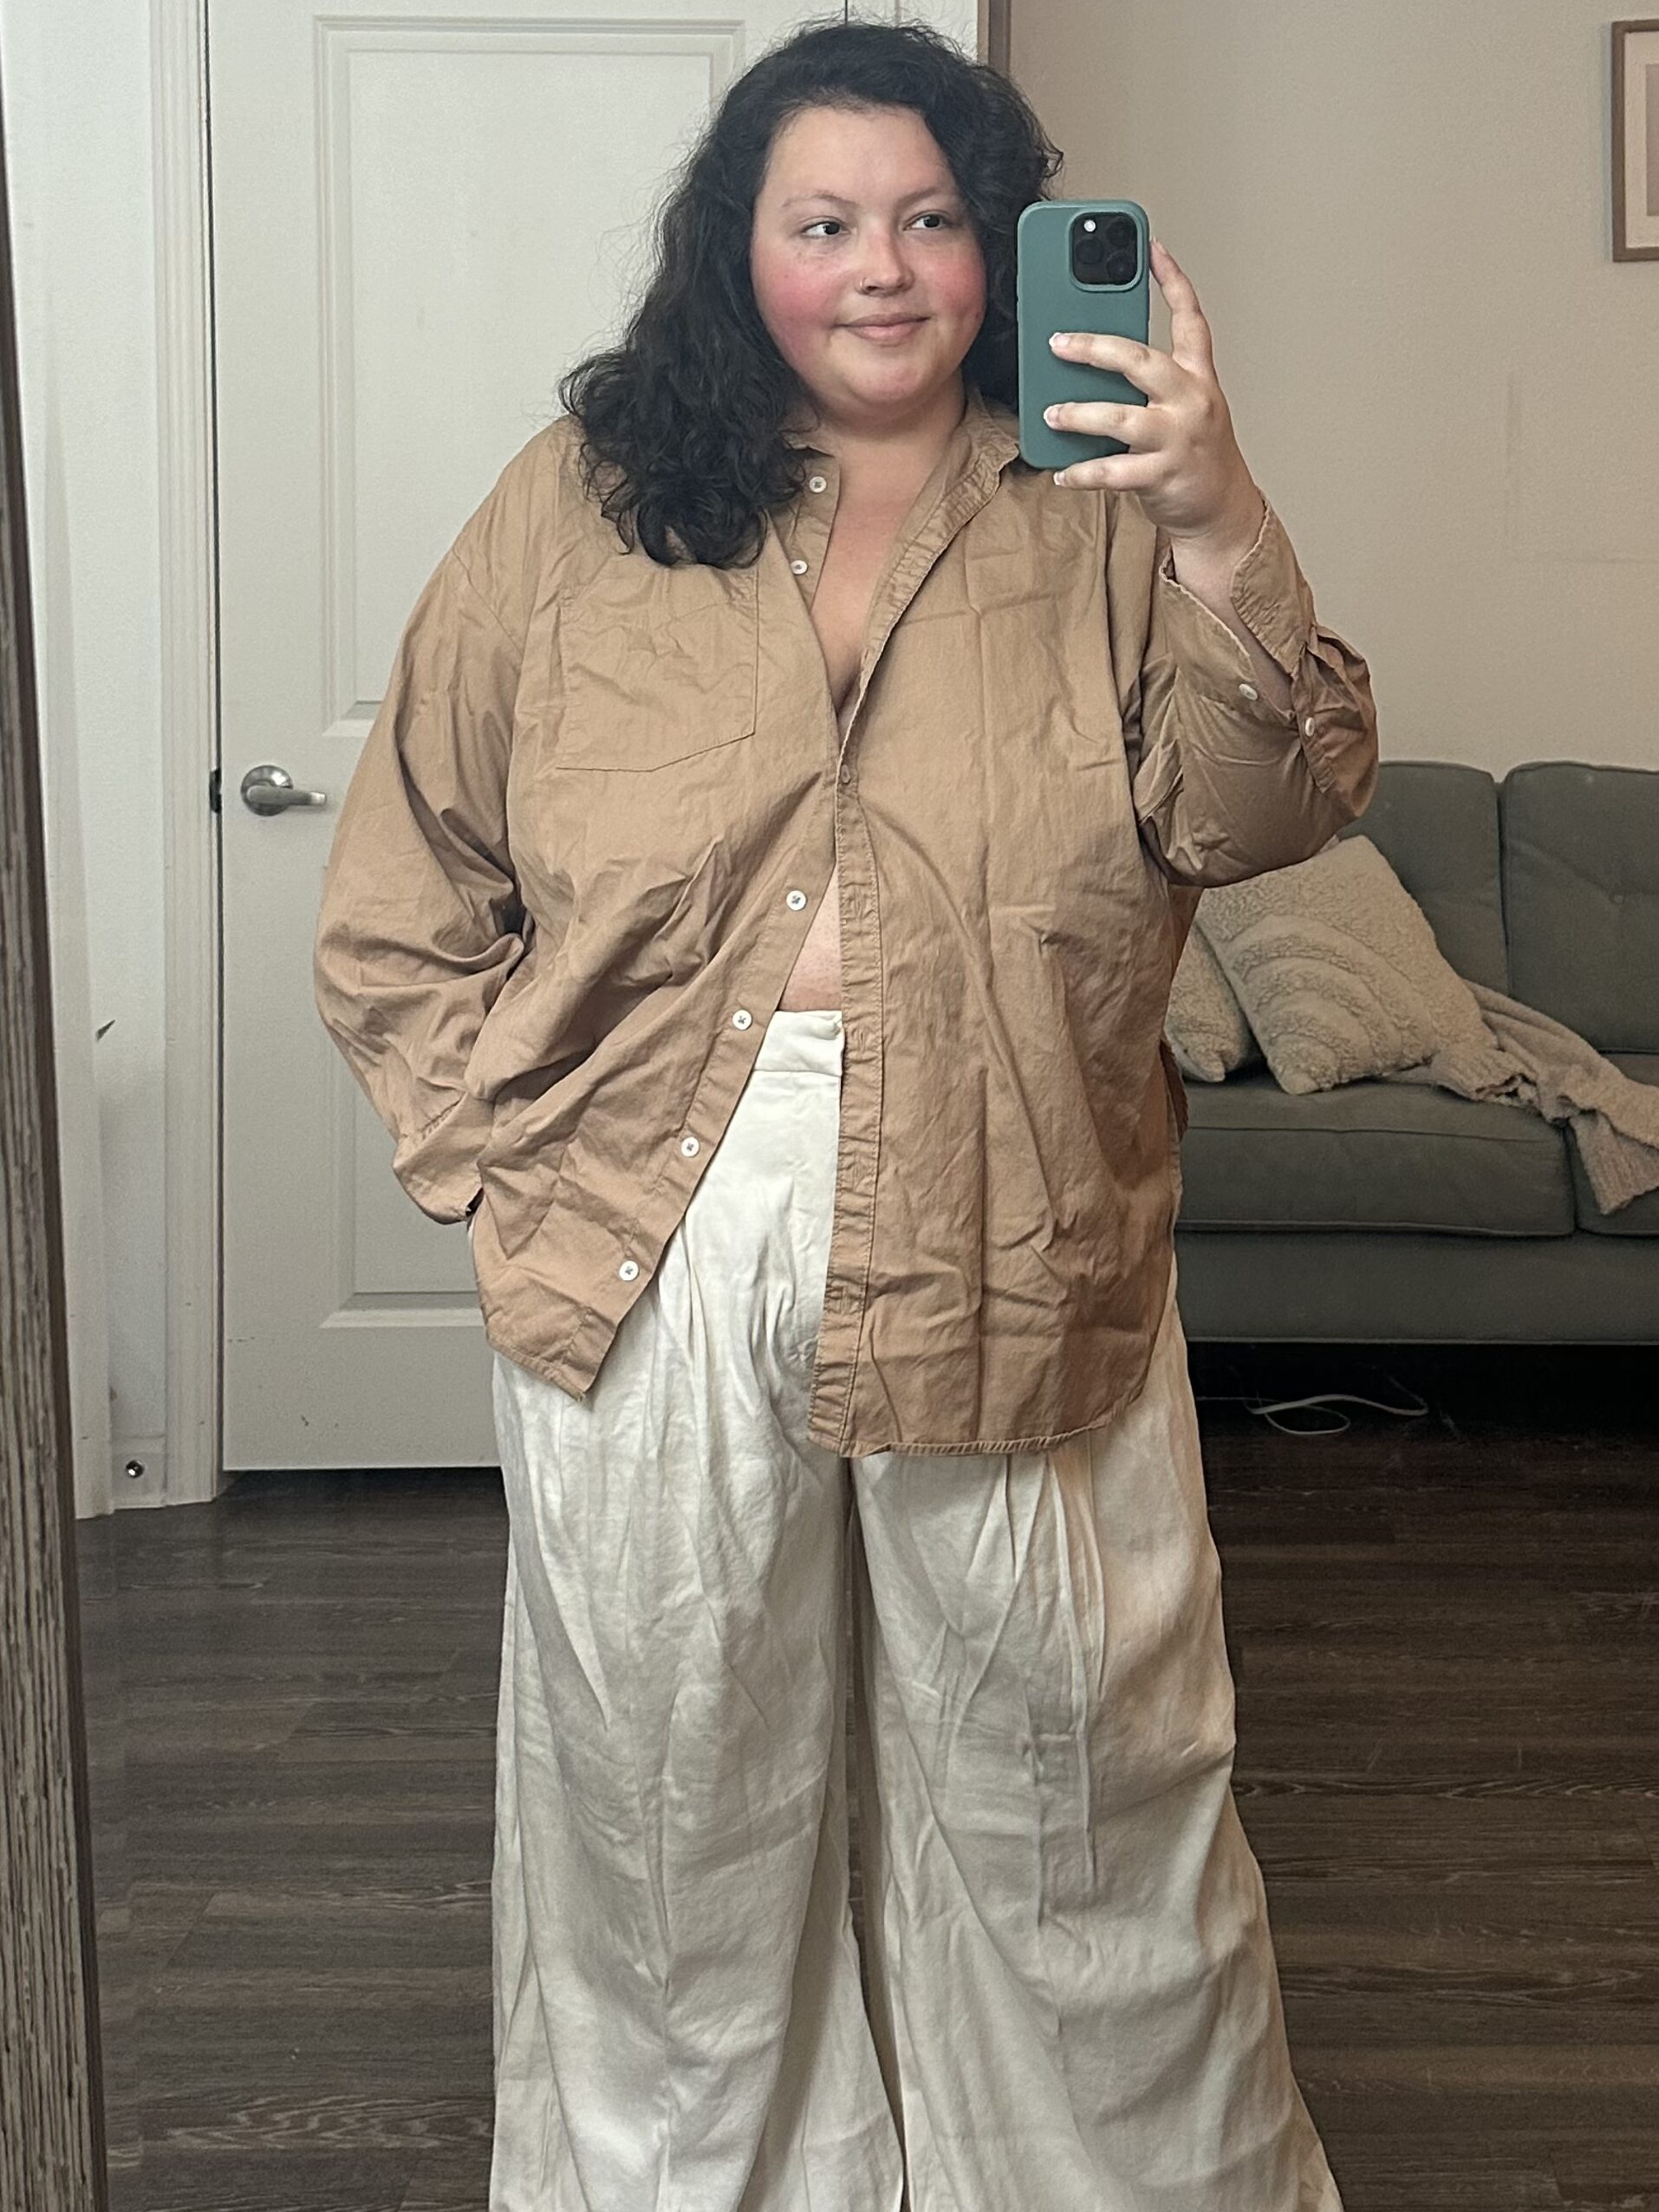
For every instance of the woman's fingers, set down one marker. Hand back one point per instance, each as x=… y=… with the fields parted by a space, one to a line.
x=1111 y=472
x=1108 y=419
x=1147 y=368
x=1099 y=419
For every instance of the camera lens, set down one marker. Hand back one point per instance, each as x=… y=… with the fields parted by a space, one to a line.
x=1105 y=248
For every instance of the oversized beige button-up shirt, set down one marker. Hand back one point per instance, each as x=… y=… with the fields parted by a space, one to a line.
x=593 y=822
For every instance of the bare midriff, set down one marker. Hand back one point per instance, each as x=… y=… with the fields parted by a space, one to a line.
x=860 y=540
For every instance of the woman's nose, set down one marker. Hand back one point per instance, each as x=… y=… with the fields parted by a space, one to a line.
x=881 y=261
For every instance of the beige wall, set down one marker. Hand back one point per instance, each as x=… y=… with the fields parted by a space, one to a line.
x=1396 y=214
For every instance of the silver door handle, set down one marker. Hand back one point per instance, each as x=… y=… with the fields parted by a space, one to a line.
x=270 y=789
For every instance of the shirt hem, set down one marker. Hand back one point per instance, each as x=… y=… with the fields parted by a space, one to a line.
x=559 y=1375
x=546 y=1370
x=852 y=1449
x=555 y=1370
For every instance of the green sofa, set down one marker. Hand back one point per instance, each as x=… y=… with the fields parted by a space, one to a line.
x=1389 y=1213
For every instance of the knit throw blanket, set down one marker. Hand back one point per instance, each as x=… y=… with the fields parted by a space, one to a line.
x=1541 y=1063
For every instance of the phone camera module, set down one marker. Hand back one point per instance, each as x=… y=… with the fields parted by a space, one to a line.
x=1105 y=248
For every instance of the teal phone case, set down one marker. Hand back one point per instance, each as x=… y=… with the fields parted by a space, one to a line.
x=1048 y=298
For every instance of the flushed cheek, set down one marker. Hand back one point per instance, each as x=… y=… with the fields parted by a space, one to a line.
x=958 y=290
x=798 y=306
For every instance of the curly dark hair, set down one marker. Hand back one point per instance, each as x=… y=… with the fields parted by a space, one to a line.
x=682 y=421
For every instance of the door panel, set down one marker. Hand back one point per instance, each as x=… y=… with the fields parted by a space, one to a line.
x=422 y=215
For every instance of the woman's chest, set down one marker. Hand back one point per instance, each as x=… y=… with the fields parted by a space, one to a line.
x=682 y=709
x=860 y=539
x=854 y=556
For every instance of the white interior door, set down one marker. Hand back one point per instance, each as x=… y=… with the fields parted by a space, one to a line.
x=422 y=215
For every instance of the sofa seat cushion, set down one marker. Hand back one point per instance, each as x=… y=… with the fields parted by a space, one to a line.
x=1641 y=1217
x=1371 y=1155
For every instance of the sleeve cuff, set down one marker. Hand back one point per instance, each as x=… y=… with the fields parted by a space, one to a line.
x=1271 y=598
x=439 y=1167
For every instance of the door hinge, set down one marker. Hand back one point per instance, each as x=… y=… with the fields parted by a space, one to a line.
x=213 y=791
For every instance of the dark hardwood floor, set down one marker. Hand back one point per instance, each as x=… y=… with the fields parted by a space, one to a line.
x=1445 y=1636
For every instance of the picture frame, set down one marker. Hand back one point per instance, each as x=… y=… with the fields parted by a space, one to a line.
x=1635 y=140
x=995 y=32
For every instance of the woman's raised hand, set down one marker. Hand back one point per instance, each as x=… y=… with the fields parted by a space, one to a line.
x=1183 y=464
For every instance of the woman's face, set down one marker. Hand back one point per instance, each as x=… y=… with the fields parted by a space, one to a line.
x=865 y=267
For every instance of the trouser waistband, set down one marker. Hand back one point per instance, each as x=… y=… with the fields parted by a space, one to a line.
x=804 y=1041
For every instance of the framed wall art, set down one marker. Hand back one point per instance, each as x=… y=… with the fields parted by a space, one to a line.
x=1635 y=140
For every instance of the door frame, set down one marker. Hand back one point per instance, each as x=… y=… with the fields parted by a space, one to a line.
x=189 y=723
x=192 y=890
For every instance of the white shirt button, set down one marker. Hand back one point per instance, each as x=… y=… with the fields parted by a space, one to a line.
x=742 y=1018
x=1249 y=691
x=816 y=483
x=795 y=900
x=690 y=1147
x=628 y=1270
x=799 y=567
x=1307 y=727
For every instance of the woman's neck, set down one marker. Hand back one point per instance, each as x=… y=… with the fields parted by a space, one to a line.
x=907 y=448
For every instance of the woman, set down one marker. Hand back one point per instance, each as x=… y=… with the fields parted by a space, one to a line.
x=756 y=907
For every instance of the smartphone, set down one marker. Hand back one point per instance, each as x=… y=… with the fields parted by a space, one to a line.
x=1080 y=265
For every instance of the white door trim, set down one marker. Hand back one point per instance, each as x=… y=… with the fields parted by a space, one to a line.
x=189 y=688
x=189 y=678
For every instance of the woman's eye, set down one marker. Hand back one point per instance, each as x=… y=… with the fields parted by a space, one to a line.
x=834 y=223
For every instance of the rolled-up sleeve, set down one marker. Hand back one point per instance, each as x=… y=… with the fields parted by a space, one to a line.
x=1225 y=785
x=421 y=919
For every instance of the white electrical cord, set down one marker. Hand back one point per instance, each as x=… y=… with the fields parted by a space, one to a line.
x=1269 y=1407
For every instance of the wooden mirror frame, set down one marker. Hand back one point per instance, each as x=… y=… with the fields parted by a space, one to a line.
x=53 y=2155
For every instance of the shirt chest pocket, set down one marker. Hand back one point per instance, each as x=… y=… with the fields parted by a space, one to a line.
x=657 y=669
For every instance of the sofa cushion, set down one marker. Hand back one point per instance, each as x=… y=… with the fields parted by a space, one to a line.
x=1370 y=1157
x=1581 y=898
x=1205 y=1023
x=1435 y=822
x=1641 y=1217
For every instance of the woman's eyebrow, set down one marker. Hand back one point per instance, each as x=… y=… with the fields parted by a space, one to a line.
x=927 y=191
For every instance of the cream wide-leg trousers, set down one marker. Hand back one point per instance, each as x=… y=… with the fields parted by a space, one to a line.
x=1074 y=2000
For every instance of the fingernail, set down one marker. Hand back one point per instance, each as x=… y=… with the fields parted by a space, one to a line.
x=1051 y=414
x=1059 y=476
x=1061 y=338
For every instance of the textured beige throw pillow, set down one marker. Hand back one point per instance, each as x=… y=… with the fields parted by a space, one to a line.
x=1337 y=968
x=1206 y=1025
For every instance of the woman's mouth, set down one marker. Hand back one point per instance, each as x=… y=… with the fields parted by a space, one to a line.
x=898 y=326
